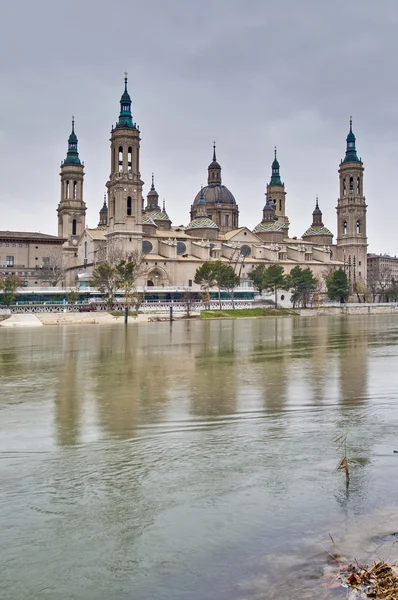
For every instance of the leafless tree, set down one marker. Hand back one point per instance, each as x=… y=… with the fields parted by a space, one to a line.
x=188 y=301
x=53 y=269
x=379 y=282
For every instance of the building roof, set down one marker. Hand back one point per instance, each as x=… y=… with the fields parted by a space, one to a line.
x=215 y=194
x=157 y=215
x=317 y=231
x=202 y=223
x=270 y=226
x=32 y=235
x=98 y=233
x=147 y=220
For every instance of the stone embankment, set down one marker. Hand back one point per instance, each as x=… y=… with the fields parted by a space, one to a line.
x=351 y=309
x=22 y=321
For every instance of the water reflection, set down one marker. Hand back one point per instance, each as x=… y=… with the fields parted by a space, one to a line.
x=184 y=458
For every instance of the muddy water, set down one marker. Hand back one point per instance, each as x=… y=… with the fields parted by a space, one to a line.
x=194 y=461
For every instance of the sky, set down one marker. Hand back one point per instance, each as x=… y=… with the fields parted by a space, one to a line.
x=249 y=74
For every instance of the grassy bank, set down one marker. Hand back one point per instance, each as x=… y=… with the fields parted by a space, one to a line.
x=247 y=312
x=118 y=313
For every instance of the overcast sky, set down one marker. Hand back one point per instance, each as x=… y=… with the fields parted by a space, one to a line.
x=249 y=74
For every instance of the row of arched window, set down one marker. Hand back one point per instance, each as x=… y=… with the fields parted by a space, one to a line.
x=357 y=229
x=351 y=186
x=68 y=189
x=120 y=159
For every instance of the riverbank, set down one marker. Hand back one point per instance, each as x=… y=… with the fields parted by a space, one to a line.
x=104 y=318
x=248 y=313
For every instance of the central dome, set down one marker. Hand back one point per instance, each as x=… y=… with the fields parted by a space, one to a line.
x=215 y=194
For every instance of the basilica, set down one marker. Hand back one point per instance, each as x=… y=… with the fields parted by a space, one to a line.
x=132 y=224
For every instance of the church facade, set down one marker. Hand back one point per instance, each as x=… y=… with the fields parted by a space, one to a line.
x=132 y=224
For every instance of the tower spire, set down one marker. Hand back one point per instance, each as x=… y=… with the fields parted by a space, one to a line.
x=214 y=170
x=317 y=215
x=72 y=156
x=125 y=116
x=275 y=174
x=351 y=151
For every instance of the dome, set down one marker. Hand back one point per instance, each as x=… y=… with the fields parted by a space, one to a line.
x=272 y=226
x=147 y=220
x=215 y=194
x=157 y=215
x=317 y=231
x=202 y=223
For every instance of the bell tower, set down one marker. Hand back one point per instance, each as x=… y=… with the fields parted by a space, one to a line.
x=124 y=184
x=352 y=241
x=72 y=210
x=276 y=194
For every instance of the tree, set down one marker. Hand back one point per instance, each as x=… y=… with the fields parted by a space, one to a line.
x=205 y=277
x=105 y=278
x=9 y=285
x=127 y=274
x=337 y=285
x=275 y=279
x=217 y=274
x=225 y=279
x=257 y=275
x=52 y=270
x=303 y=284
x=188 y=300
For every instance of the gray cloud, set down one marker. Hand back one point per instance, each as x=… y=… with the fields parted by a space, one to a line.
x=250 y=74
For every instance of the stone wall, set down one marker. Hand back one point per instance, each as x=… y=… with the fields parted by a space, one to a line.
x=351 y=309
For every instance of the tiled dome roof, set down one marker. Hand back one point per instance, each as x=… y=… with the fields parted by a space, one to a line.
x=147 y=220
x=158 y=215
x=317 y=231
x=272 y=226
x=202 y=223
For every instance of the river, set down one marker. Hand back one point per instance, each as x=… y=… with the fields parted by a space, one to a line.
x=194 y=460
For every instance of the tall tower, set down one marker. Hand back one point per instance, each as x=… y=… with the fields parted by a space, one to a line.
x=71 y=210
x=125 y=185
x=276 y=192
x=352 y=241
x=103 y=214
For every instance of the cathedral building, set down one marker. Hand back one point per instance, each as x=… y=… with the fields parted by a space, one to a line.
x=133 y=224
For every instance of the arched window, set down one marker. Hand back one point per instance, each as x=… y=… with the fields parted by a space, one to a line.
x=358 y=226
x=67 y=190
x=74 y=190
x=226 y=220
x=85 y=250
x=129 y=206
x=280 y=205
x=129 y=158
x=245 y=250
x=113 y=160
x=344 y=187
x=358 y=186
x=351 y=185
x=74 y=227
x=120 y=159
x=345 y=227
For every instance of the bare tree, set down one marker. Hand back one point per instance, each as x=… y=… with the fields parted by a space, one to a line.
x=110 y=253
x=379 y=282
x=52 y=270
x=385 y=280
x=188 y=301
